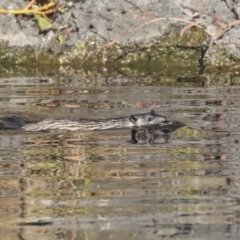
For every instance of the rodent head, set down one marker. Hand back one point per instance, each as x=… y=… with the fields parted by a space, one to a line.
x=149 y=119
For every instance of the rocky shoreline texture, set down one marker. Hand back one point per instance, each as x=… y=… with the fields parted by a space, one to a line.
x=127 y=32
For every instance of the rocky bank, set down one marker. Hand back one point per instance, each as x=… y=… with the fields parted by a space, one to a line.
x=125 y=31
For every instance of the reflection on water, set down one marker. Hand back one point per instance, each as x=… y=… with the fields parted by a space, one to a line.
x=180 y=183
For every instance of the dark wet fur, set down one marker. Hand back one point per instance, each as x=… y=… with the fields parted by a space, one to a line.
x=16 y=122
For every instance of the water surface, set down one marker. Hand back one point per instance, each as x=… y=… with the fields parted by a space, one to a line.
x=98 y=185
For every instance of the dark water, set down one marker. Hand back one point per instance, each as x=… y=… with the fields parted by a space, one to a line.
x=97 y=185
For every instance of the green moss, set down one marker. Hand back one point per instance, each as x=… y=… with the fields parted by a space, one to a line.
x=169 y=56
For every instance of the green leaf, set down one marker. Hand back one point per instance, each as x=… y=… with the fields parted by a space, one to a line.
x=61 y=38
x=43 y=23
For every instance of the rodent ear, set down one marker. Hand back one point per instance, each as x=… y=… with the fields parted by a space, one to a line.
x=152 y=112
x=133 y=118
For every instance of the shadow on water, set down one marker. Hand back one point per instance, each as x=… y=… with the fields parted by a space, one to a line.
x=180 y=181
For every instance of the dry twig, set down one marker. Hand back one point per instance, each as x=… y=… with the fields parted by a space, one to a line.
x=28 y=10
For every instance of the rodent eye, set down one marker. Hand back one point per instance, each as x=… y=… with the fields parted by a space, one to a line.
x=151 y=141
x=150 y=119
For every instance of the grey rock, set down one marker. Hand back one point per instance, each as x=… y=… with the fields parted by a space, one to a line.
x=107 y=19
